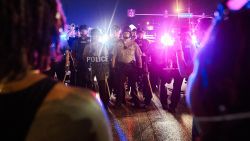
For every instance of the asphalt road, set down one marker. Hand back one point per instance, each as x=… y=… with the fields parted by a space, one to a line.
x=152 y=123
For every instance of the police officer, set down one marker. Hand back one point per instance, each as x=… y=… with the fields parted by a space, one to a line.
x=177 y=82
x=115 y=37
x=125 y=56
x=218 y=90
x=81 y=75
x=134 y=34
x=71 y=34
x=188 y=52
x=144 y=46
x=164 y=66
x=96 y=54
x=159 y=75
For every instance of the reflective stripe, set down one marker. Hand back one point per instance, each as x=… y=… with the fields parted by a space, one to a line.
x=228 y=117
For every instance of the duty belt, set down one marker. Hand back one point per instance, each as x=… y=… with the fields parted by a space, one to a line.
x=130 y=63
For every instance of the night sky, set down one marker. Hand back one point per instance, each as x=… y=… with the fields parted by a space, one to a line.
x=98 y=12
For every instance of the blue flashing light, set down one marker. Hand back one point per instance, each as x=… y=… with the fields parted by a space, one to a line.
x=63 y=36
x=248 y=5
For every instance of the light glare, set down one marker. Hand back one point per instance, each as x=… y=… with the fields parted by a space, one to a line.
x=167 y=40
x=194 y=40
x=63 y=36
x=104 y=38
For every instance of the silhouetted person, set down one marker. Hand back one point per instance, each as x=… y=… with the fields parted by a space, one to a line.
x=146 y=85
x=82 y=68
x=96 y=53
x=218 y=92
x=115 y=38
x=32 y=106
x=125 y=55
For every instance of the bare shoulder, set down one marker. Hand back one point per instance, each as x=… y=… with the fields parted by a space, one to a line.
x=60 y=92
x=72 y=99
x=69 y=114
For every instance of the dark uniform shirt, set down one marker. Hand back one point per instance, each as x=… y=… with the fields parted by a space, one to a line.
x=143 y=44
x=71 y=41
x=78 y=47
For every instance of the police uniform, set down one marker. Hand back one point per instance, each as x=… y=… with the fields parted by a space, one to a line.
x=146 y=85
x=82 y=78
x=177 y=83
x=112 y=79
x=159 y=61
x=164 y=67
x=125 y=55
x=96 y=54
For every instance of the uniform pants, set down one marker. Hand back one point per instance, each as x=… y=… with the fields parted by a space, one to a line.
x=176 y=92
x=146 y=88
x=83 y=76
x=154 y=76
x=124 y=71
x=146 y=85
x=104 y=92
x=112 y=81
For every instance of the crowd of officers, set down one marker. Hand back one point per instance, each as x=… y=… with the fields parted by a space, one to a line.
x=127 y=62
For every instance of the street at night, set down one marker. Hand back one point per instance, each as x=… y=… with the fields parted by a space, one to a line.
x=152 y=123
x=124 y=70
